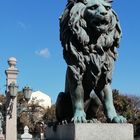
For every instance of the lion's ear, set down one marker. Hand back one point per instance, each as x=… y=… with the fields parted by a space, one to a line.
x=109 y=1
x=83 y=1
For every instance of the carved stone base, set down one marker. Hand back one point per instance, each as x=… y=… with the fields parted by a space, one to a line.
x=94 y=131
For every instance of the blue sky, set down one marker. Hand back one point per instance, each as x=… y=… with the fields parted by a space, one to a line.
x=29 y=31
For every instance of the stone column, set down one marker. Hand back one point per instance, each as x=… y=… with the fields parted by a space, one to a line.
x=11 y=105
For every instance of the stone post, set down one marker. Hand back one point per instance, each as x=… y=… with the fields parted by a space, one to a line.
x=26 y=135
x=42 y=136
x=11 y=105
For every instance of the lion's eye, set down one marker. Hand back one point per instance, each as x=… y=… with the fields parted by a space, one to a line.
x=93 y=7
x=107 y=7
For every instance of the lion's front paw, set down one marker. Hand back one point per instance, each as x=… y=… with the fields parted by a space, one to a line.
x=79 y=117
x=119 y=119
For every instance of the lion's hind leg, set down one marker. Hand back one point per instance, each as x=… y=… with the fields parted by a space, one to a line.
x=64 y=110
x=92 y=106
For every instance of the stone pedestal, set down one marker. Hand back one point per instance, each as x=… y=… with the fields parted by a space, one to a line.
x=94 y=131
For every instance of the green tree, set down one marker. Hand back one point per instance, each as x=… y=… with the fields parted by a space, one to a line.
x=49 y=115
x=28 y=114
x=127 y=106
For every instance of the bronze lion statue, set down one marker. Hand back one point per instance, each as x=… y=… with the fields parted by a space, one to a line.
x=90 y=33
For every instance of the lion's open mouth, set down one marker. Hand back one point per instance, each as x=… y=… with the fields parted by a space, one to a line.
x=101 y=22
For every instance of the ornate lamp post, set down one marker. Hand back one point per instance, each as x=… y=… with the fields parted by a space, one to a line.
x=11 y=99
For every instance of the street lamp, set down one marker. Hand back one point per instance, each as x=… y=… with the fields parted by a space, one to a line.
x=23 y=107
x=27 y=91
x=13 y=89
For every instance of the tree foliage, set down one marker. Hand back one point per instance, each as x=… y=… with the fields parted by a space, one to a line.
x=127 y=106
x=28 y=114
x=49 y=115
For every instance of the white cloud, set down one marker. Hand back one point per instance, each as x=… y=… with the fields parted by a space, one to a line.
x=44 y=53
x=22 y=25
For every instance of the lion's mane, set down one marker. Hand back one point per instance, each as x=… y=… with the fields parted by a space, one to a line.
x=82 y=43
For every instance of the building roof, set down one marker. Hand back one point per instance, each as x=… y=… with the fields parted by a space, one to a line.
x=41 y=98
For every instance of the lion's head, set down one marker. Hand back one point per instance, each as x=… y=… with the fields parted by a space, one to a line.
x=85 y=17
x=98 y=15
